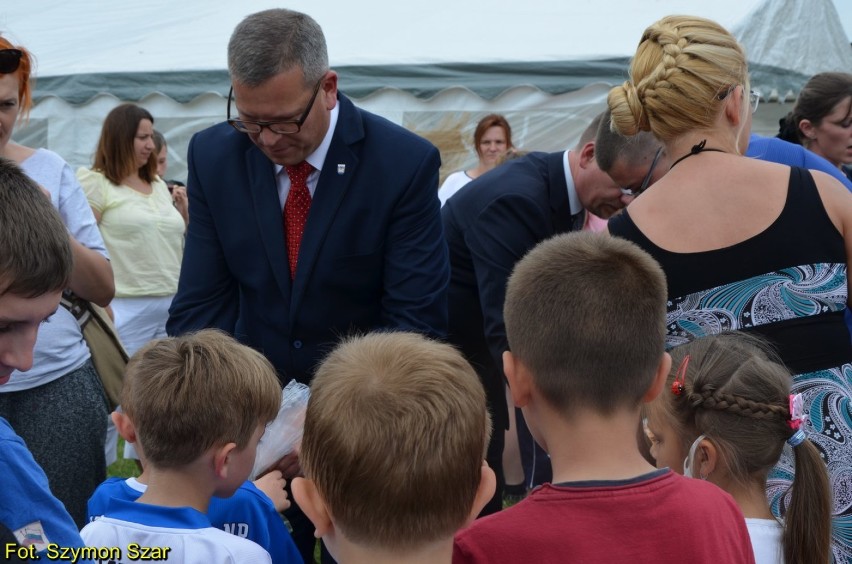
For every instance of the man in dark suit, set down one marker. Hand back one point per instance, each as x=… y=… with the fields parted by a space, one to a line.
x=490 y=224
x=371 y=253
x=309 y=218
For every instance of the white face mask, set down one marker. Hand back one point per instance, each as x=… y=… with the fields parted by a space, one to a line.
x=690 y=458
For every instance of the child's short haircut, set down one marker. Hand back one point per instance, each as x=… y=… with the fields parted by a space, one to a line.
x=187 y=394
x=395 y=435
x=35 y=253
x=586 y=314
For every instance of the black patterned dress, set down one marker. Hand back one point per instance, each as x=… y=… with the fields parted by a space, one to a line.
x=788 y=284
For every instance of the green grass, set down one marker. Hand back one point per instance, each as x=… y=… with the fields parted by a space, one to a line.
x=122 y=467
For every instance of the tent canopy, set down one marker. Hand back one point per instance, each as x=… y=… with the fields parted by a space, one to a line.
x=436 y=68
x=131 y=49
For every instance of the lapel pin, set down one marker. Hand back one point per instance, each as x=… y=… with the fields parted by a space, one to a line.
x=341 y=168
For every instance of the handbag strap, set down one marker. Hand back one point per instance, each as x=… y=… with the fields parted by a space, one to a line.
x=78 y=307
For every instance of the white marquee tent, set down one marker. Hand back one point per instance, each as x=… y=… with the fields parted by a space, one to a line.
x=433 y=67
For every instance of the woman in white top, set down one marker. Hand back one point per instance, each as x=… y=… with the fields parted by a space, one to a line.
x=58 y=406
x=141 y=223
x=493 y=141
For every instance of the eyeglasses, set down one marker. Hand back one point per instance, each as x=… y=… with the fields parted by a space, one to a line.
x=753 y=97
x=753 y=100
x=286 y=127
x=645 y=181
x=10 y=60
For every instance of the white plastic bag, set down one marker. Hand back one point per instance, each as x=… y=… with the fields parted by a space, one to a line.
x=284 y=432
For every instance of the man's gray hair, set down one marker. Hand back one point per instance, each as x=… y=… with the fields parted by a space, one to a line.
x=611 y=146
x=270 y=42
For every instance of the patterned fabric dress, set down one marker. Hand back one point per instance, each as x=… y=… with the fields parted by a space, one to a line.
x=788 y=283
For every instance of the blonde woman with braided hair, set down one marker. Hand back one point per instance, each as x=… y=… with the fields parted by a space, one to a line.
x=745 y=244
x=724 y=416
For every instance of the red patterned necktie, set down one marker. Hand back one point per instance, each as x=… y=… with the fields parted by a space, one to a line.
x=296 y=210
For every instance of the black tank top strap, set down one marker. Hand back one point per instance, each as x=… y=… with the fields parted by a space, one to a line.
x=802 y=197
x=622 y=226
x=804 y=224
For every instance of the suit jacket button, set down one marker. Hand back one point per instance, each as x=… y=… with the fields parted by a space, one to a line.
x=297 y=344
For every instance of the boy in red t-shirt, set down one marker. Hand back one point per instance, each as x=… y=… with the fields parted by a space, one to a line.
x=585 y=318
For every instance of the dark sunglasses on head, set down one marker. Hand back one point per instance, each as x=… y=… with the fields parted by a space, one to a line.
x=10 y=60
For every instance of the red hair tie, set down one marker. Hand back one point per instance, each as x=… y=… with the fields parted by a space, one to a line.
x=680 y=379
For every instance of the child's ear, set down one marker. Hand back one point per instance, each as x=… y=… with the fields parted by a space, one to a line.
x=484 y=493
x=659 y=378
x=519 y=379
x=706 y=458
x=124 y=426
x=310 y=501
x=222 y=459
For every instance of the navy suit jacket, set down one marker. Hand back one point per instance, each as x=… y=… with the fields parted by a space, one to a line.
x=490 y=224
x=372 y=256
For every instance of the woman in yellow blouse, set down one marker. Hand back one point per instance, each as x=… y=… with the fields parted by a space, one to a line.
x=141 y=223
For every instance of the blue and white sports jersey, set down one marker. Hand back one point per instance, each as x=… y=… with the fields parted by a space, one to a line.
x=136 y=531
x=118 y=488
x=249 y=514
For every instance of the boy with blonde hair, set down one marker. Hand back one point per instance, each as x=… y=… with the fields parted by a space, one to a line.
x=199 y=404
x=585 y=317
x=395 y=435
x=252 y=512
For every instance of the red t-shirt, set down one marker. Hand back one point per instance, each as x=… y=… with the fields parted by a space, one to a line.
x=660 y=517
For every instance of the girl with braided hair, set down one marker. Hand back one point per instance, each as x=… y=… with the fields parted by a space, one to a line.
x=725 y=416
x=745 y=244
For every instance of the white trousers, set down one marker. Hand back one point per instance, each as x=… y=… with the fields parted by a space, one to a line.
x=140 y=320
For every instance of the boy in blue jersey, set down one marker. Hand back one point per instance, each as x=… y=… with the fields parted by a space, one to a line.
x=251 y=513
x=395 y=435
x=35 y=265
x=199 y=404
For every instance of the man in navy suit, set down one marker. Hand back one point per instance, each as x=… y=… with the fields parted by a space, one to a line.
x=371 y=253
x=309 y=218
x=490 y=224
